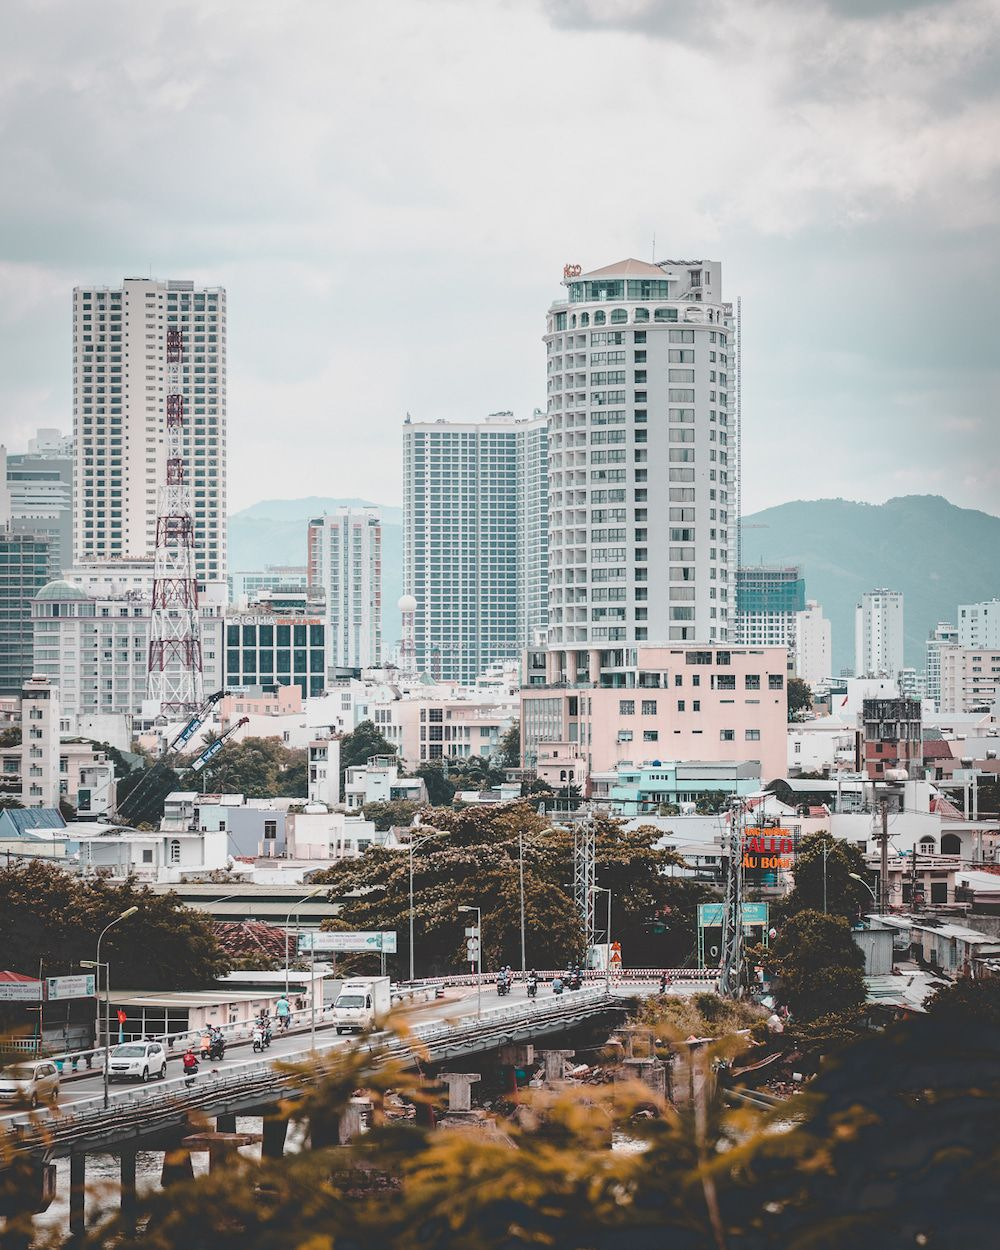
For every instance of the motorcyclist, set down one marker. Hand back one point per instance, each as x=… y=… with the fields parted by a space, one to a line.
x=189 y=1061
x=557 y=985
x=503 y=985
x=532 y=983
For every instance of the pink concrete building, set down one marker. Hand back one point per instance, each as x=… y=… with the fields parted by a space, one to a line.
x=657 y=703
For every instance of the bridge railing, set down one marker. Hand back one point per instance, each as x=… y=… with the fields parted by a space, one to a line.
x=144 y=1107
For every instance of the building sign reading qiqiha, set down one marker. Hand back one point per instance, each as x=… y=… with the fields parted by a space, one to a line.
x=768 y=849
x=572 y=271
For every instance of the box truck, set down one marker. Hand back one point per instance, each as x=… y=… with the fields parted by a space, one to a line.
x=362 y=1004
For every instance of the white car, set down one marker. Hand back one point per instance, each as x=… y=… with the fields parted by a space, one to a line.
x=31 y=1082
x=137 y=1061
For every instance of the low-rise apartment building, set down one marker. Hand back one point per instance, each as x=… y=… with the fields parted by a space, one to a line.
x=646 y=703
x=969 y=678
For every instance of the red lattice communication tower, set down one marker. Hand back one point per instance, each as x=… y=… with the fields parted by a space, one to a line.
x=175 y=663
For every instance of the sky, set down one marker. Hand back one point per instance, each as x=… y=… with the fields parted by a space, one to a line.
x=389 y=191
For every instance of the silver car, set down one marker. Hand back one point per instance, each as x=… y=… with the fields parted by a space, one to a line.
x=31 y=1081
x=137 y=1061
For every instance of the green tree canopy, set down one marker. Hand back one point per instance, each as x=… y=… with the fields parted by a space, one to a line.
x=474 y=861
x=259 y=768
x=818 y=965
x=440 y=787
x=398 y=812
x=360 y=745
x=819 y=855
x=50 y=915
x=799 y=697
x=510 y=746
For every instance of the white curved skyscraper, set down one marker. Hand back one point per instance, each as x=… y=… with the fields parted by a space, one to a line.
x=643 y=501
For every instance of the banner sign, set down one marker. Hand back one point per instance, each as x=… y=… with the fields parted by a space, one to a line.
x=70 y=987
x=710 y=914
x=20 y=991
x=768 y=849
x=384 y=942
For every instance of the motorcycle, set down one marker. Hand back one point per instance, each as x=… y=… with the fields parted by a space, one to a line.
x=217 y=1050
x=532 y=988
x=190 y=1069
x=261 y=1039
x=503 y=986
x=557 y=986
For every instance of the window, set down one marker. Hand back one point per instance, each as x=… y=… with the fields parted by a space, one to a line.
x=680 y=705
x=626 y=707
x=752 y=681
x=775 y=681
x=175 y=851
x=752 y=735
x=649 y=707
x=727 y=735
x=725 y=681
x=270 y=830
x=650 y=735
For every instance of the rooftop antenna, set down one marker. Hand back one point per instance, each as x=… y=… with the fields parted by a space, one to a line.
x=654 y=247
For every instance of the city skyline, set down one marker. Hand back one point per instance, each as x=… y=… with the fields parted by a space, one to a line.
x=830 y=216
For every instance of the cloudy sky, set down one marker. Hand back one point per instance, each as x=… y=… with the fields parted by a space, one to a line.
x=389 y=191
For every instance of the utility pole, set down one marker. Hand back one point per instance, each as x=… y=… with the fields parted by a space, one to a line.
x=884 y=865
x=731 y=970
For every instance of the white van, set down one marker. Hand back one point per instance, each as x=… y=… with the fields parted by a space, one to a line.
x=362 y=1004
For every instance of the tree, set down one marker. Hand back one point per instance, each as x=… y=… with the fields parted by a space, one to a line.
x=972 y=1002
x=11 y=736
x=440 y=789
x=50 y=915
x=818 y=965
x=821 y=855
x=10 y=801
x=510 y=746
x=799 y=697
x=259 y=768
x=398 y=812
x=360 y=745
x=66 y=810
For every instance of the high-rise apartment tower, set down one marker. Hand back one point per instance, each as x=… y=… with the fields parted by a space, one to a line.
x=345 y=559
x=878 y=634
x=474 y=540
x=119 y=417
x=643 y=515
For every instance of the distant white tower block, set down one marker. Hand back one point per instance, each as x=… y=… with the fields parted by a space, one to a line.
x=39 y=743
x=407 y=647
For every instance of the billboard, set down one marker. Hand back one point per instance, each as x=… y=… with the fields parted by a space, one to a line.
x=384 y=942
x=20 y=991
x=70 y=987
x=710 y=916
x=768 y=850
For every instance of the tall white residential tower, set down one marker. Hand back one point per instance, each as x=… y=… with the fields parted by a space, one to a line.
x=119 y=417
x=345 y=558
x=878 y=634
x=474 y=540
x=643 y=513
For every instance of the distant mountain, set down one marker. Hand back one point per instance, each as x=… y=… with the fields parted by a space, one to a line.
x=937 y=554
x=274 y=532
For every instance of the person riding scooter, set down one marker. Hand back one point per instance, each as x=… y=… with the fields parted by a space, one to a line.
x=532 y=984
x=217 y=1045
x=503 y=985
x=189 y=1062
x=557 y=985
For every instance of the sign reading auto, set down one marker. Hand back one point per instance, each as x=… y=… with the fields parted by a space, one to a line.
x=768 y=849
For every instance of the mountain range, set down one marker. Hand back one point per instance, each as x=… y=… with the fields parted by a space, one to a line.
x=937 y=554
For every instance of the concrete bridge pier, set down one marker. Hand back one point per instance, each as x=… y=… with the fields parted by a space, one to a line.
x=126 y=1167
x=460 y=1090
x=77 y=1196
x=177 y=1166
x=554 y=1065
x=352 y=1119
x=275 y=1130
x=225 y=1123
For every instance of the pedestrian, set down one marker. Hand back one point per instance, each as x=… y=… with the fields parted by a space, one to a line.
x=283 y=1011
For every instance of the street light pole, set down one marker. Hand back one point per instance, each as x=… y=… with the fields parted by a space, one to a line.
x=479 y=958
x=603 y=889
x=86 y=963
x=854 y=876
x=520 y=873
x=288 y=920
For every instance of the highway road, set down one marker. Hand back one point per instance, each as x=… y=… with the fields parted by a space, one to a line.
x=457 y=1002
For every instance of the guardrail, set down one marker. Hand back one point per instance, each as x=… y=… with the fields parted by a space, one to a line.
x=147 y=1108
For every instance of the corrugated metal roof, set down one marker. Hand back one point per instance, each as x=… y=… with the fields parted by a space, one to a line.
x=25 y=819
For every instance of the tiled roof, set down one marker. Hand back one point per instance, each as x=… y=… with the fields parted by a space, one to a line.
x=937 y=749
x=628 y=268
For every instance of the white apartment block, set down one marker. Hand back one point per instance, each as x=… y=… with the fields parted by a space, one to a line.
x=767 y=602
x=979 y=624
x=878 y=634
x=474 y=540
x=39 y=743
x=95 y=646
x=119 y=415
x=970 y=678
x=379 y=781
x=435 y=727
x=943 y=634
x=345 y=558
x=36 y=493
x=642 y=457
x=813 y=644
